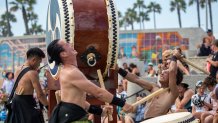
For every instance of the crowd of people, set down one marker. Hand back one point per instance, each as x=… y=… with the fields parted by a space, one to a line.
x=74 y=85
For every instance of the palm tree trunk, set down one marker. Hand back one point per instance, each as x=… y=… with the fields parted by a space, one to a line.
x=198 y=12
x=25 y=20
x=210 y=12
x=179 y=17
x=8 y=23
x=154 y=19
x=140 y=19
x=143 y=24
x=132 y=26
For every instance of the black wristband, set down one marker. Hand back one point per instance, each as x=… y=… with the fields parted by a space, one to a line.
x=118 y=101
x=122 y=72
x=174 y=58
x=95 y=110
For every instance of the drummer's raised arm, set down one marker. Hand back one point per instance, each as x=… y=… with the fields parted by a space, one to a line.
x=175 y=75
x=135 y=79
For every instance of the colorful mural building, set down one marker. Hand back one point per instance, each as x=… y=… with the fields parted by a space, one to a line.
x=13 y=50
x=148 y=45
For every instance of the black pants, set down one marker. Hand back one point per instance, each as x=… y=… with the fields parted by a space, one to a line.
x=66 y=113
x=24 y=111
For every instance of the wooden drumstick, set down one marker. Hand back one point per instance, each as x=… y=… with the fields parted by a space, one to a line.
x=195 y=66
x=103 y=86
x=150 y=96
x=190 y=63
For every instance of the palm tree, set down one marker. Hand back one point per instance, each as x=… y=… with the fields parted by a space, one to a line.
x=140 y=5
x=155 y=8
x=208 y=3
x=5 y=18
x=25 y=6
x=3 y=29
x=32 y=17
x=120 y=16
x=145 y=17
x=8 y=23
x=210 y=12
x=130 y=17
x=36 y=29
x=191 y=2
x=178 y=5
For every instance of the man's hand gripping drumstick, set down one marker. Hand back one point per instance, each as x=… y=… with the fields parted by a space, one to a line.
x=109 y=114
x=188 y=62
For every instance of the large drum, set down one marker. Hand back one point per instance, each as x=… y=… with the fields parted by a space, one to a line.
x=182 y=117
x=91 y=27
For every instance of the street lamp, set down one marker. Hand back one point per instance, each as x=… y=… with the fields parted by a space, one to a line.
x=157 y=39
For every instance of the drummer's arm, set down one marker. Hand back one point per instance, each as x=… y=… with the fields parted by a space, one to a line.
x=172 y=77
x=135 y=79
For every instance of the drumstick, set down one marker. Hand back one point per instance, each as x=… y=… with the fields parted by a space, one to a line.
x=103 y=86
x=190 y=63
x=150 y=96
x=195 y=66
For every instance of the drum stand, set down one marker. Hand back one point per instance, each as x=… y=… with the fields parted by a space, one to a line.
x=111 y=84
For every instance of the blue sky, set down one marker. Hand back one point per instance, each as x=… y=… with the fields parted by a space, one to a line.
x=166 y=19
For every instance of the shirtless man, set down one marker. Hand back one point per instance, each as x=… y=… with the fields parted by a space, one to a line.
x=169 y=78
x=74 y=86
x=23 y=105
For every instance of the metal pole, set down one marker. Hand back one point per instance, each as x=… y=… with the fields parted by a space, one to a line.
x=13 y=59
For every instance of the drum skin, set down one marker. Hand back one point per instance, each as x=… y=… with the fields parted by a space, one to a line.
x=85 y=24
x=180 y=117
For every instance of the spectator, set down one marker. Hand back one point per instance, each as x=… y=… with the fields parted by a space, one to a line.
x=210 y=83
x=125 y=67
x=8 y=83
x=215 y=118
x=134 y=69
x=151 y=71
x=201 y=101
x=205 y=47
x=183 y=101
x=214 y=59
x=120 y=94
x=138 y=110
x=210 y=35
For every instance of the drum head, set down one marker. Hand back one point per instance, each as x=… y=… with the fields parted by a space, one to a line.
x=182 y=117
x=91 y=27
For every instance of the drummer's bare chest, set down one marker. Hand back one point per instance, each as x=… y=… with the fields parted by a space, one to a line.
x=164 y=100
